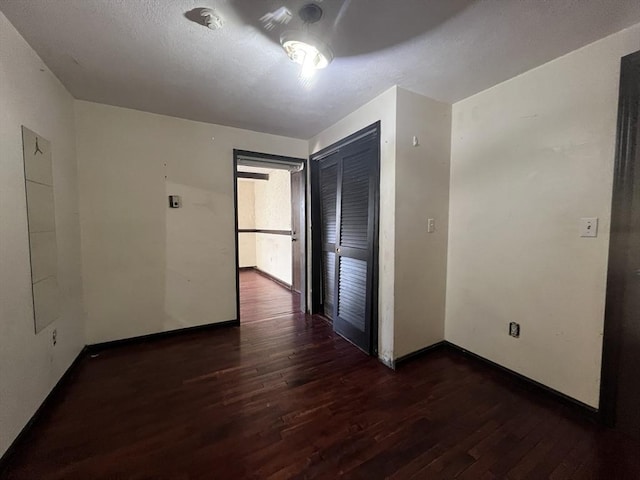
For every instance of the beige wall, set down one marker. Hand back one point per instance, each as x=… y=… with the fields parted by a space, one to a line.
x=273 y=212
x=422 y=192
x=382 y=108
x=247 y=220
x=530 y=157
x=30 y=365
x=148 y=268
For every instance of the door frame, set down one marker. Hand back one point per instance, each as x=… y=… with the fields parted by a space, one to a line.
x=302 y=233
x=628 y=117
x=316 y=234
x=268 y=158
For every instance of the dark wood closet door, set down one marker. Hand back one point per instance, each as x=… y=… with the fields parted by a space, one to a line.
x=345 y=191
x=354 y=250
x=328 y=212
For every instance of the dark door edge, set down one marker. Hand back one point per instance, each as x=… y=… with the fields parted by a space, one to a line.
x=618 y=245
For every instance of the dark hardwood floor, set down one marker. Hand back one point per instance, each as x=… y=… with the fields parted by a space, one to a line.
x=262 y=299
x=285 y=398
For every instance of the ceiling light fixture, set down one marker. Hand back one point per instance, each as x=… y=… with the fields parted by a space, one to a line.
x=305 y=49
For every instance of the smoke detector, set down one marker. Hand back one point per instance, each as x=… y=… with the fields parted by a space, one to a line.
x=211 y=19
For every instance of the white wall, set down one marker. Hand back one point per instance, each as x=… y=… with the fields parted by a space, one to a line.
x=29 y=364
x=246 y=220
x=530 y=157
x=148 y=268
x=273 y=212
x=381 y=108
x=422 y=192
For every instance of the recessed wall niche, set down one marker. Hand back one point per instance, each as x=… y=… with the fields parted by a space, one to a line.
x=43 y=249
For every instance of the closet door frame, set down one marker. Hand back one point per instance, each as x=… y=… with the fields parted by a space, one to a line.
x=316 y=233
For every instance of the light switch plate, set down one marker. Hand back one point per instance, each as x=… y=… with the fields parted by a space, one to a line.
x=174 y=201
x=431 y=225
x=589 y=227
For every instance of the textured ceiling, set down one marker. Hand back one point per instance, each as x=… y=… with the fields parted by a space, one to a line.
x=148 y=55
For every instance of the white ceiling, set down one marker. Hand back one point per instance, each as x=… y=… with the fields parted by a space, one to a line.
x=148 y=55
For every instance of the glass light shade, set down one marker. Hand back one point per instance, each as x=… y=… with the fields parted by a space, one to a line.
x=306 y=50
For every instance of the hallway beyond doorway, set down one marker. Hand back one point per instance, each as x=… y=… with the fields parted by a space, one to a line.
x=262 y=298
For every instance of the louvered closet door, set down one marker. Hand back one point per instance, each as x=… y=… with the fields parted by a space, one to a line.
x=354 y=251
x=328 y=214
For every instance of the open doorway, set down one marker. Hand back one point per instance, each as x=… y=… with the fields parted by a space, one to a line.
x=270 y=201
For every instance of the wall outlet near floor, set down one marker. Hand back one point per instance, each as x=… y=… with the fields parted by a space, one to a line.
x=54 y=336
x=514 y=329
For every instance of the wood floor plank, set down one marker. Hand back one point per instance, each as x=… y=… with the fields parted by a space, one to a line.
x=283 y=397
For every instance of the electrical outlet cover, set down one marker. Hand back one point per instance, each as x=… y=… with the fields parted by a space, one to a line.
x=589 y=227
